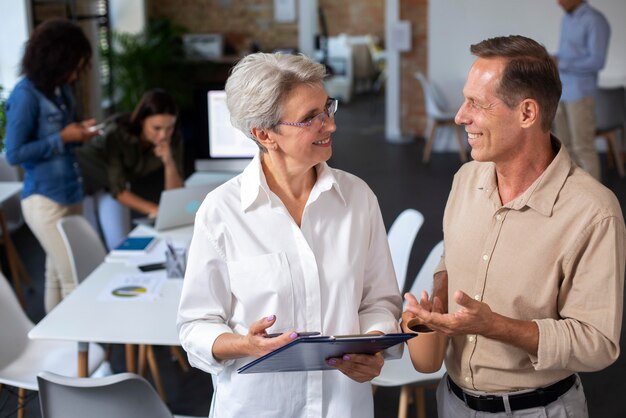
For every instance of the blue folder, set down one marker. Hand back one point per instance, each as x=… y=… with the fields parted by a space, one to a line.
x=311 y=353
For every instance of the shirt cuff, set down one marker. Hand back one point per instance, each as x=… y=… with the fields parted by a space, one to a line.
x=378 y=322
x=198 y=340
x=56 y=143
x=548 y=350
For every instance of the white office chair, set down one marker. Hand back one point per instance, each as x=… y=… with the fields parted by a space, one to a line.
x=21 y=358
x=83 y=245
x=124 y=395
x=401 y=236
x=610 y=113
x=401 y=372
x=440 y=114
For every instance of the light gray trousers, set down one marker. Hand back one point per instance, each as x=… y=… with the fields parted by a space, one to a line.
x=572 y=404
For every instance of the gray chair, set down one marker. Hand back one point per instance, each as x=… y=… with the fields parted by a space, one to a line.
x=124 y=395
x=610 y=120
x=21 y=358
x=438 y=111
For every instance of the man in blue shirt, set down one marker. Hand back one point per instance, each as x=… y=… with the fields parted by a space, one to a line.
x=582 y=52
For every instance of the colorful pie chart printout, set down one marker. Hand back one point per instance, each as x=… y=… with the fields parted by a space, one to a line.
x=129 y=291
x=133 y=287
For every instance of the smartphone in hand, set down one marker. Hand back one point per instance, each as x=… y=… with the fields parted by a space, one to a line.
x=97 y=128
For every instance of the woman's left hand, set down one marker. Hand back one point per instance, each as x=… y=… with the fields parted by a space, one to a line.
x=359 y=367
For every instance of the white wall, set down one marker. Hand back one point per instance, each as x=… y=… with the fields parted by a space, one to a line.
x=455 y=24
x=13 y=33
x=128 y=16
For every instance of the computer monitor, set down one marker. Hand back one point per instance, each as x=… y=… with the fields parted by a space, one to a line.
x=226 y=141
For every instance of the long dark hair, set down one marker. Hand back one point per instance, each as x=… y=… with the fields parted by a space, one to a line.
x=53 y=52
x=153 y=102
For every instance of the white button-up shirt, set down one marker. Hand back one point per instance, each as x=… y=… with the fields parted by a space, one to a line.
x=248 y=259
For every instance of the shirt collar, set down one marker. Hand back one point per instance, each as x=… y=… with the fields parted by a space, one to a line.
x=254 y=185
x=542 y=194
x=580 y=10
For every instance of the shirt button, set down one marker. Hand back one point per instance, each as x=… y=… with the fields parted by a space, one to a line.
x=470 y=338
x=477 y=296
x=498 y=217
x=485 y=257
x=467 y=379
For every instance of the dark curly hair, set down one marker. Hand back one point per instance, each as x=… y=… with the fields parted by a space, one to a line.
x=55 y=49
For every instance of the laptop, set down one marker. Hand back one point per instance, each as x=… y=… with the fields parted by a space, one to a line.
x=178 y=207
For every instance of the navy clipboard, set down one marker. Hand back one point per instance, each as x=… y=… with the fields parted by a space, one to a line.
x=311 y=353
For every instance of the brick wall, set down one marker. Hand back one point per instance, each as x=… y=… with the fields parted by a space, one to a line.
x=413 y=111
x=242 y=21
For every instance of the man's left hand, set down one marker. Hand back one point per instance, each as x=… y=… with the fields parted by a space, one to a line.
x=472 y=317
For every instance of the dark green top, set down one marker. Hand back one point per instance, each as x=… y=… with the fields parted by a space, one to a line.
x=111 y=161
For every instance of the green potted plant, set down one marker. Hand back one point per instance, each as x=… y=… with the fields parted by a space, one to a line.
x=150 y=59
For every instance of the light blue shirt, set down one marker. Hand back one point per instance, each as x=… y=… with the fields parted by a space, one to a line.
x=582 y=51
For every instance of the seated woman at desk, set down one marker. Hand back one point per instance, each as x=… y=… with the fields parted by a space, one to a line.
x=289 y=245
x=132 y=147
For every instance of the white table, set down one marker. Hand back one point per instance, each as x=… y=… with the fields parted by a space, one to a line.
x=9 y=189
x=81 y=317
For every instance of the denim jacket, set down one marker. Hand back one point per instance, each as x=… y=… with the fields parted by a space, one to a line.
x=33 y=139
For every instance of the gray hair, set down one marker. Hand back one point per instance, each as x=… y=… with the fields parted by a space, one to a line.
x=260 y=82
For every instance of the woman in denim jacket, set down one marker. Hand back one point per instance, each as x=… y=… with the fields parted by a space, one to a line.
x=42 y=135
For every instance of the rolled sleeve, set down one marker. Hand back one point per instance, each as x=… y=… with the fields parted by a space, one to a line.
x=587 y=338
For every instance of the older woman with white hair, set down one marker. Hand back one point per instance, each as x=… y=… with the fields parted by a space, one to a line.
x=289 y=245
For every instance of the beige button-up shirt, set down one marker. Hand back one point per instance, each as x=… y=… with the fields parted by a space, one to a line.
x=554 y=255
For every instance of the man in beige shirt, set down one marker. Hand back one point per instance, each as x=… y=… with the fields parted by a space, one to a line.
x=530 y=287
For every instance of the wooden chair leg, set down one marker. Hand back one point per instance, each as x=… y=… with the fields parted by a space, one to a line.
x=429 y=144
x=11 y=254
x=129 y=350
x=180 y=357
x=403 y=405
x=21 y=397
x=154 y=370
x=614 y=152
x=461 y=142
x=420 y=401
x=141 y=360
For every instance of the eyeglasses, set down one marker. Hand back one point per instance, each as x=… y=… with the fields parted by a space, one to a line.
x=317 y=122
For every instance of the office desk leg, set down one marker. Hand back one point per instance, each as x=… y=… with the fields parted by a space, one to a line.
x=83 y=359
